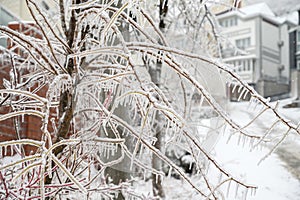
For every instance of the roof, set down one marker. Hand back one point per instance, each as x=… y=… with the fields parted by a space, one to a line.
x=260 y=9
x=279 y=7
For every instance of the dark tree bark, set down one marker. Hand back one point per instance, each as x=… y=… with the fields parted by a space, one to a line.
x=66 y=102
x=155 y=74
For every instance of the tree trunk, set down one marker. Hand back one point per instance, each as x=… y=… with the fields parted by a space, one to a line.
x=159 y=130
x=157 y=187
x=119 y=172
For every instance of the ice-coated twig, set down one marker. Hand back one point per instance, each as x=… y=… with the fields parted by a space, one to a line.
x=276 y=145
x=25 y=159
x=67 y=172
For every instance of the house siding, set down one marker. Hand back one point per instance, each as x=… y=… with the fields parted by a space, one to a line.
x=271 y=73
x=26 y=126
x=292 y=44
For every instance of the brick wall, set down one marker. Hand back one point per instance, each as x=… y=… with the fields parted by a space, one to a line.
x=23 y=126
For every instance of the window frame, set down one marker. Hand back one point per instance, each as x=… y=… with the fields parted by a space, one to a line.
x=243 y=43
x=229 y=22
x=298 y=40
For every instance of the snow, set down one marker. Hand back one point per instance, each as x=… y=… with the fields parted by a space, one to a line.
x=287 y=9
x=187 y=159
x=278 y=13
x=271 y=176
x=260 y=8
x=279 y=7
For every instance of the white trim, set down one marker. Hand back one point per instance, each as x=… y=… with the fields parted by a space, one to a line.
x=252 y=56
x=246 y=16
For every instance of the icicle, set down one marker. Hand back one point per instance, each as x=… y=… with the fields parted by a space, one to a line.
x=104 y=150
x=239 y=139
x=154 y=113
x=240 y=88
x=253 y=191
x=168 y=127
x=141 y=152
x=11 y=150
x=22 y=118
x=228 y=189
x=241 y=94
x=113 y=151
x=5 y=151
x=246 y=93
x=245 y=194
x=178 y=139
x=256 y=104
x=170 y=172
x=145 y=172
x=251 y=143
x=162 y=177
x=49 y=168
x=234 y=88
x=250 y=103
x=236 y=190
x=229 y=84
x=220 y=177
x=113 y=38
x=244 y=141
x=201 y=101
x=115 y=2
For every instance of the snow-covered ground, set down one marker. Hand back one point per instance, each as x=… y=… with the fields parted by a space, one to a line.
x=272 y=176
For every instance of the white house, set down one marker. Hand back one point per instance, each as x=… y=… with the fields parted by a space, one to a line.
x=257 y=46
x=295 y=57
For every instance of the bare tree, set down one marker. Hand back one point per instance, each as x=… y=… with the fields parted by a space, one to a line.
x=76 y=76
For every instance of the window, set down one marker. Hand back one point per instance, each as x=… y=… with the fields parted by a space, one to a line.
x=233 y=21
x=229 y=22
x=242 y=43
x=243 y=65
x=248 y=65
x=298 y=40
x=298 y=65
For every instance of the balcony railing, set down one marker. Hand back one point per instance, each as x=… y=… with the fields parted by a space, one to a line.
x=234 y=51
x=244 y=66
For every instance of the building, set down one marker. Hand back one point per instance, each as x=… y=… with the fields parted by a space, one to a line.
x=256 y=44
x=5 y=17
x=19 y=8
x=294 y=37
x=26 y=126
